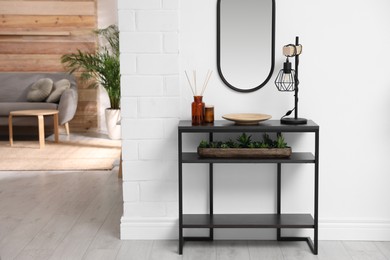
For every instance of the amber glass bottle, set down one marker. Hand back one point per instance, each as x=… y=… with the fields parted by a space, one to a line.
x=197 y=110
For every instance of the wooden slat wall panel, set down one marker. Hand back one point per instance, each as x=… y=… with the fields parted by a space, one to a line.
x=38 y=21
x=87 y=108
x=47 y=48
x=75 y=36
x=89 y=94
x=30 y=63
x=47 y=8
x=51 y=0
x=34 y=34
x=83 y=122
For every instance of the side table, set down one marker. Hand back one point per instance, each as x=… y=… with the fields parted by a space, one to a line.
x=41 y=127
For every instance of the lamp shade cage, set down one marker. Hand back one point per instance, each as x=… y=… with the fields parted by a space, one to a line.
x=286 y=79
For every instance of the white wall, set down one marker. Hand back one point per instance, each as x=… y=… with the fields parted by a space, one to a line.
x=107 y=15
x=344 y=89
x=150 y=113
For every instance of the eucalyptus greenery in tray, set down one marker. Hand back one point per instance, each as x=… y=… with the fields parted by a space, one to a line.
x=244 y=141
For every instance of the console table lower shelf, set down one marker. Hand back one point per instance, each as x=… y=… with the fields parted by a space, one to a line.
x=277 y=221
x=248 y=221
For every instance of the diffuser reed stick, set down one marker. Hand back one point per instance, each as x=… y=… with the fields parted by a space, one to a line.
x=194 y=88
x=206 y=81
x=189 y=82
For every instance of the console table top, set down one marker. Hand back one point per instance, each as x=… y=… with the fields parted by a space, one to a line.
x=269 y=125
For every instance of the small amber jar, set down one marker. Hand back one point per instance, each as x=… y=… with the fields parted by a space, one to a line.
x=209 y=114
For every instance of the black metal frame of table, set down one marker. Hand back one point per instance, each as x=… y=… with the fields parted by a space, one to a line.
x=278 y=220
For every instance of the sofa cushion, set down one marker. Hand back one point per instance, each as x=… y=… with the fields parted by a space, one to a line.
x=58 y=88
x=14 y=86
x=6 y=107
x=40 y=90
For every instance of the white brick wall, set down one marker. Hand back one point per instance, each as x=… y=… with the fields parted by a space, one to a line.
x=171 y=4
x=170 y=128
x=146 y=170
x=142 y=129
x=141 y=42
x=150 y=114
x=126 y=20
x=171 y=43
x=129 y=150
x=139 y=4
x=144 y=86
x=164 y=64
x=157 y=21
x=158 y=150
x=160 y=191
x=129 y=107
x=128 y=64
x=159 y=107
x=144 y=209
x=131 y=191
x=171 y=86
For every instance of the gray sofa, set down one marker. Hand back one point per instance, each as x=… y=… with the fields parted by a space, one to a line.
x=14 y=87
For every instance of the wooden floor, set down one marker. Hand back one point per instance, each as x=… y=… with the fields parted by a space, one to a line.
x=76 y=215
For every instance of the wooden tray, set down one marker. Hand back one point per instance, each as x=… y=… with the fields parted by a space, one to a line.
x=247 y=118
x=244 y=152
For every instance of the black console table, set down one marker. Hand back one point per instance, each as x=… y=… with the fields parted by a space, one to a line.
x=278 y=220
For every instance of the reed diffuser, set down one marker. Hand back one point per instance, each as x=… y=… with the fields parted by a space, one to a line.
x=198 y=106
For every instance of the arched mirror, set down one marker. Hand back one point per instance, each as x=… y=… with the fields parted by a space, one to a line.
x=245 y=43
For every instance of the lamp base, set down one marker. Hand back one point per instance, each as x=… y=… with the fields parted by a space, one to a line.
x=293 y=121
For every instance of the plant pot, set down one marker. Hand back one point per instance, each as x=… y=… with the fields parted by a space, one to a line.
x=245 y=152
x=113 y=119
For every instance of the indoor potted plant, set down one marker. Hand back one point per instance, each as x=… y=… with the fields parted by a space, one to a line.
x=102 y=68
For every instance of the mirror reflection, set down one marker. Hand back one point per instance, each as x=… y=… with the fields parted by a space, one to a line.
x=245 y=43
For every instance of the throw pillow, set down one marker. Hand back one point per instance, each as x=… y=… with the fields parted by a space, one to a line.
x=40 y=90
x=59 y=88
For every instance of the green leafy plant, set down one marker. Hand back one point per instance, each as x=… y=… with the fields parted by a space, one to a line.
x=231 y=144
x=267 y=141
x=280 y=143
x=244 y=141
x=264 y=145
x=102 y=66
x=203 y=144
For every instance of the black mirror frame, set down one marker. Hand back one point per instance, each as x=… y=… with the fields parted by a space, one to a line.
x=219 y=52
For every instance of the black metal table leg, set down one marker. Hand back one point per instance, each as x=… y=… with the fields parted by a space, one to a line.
x=181 y=239
x=316 y=191
x=279 y=197
x=211 y=190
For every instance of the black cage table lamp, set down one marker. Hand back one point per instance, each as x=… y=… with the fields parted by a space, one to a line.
x=287 y=81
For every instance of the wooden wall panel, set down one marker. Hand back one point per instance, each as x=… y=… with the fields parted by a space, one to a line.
x=46 y=48
x=47 y=7
x=38 y=21
x=83 y=122
x=30 y=63
x=34 y=34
